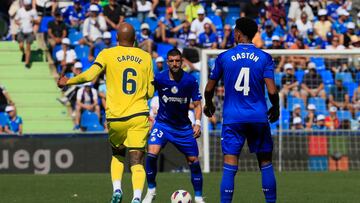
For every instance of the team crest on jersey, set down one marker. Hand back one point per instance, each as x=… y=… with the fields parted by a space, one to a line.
x=174 y=90
x=153 y=139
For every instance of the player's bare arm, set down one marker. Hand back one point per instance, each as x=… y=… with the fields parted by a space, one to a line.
x=198 y=111
x=209 y=108
x=274 y=111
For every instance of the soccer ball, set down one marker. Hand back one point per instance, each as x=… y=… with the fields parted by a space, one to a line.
x=181 y=196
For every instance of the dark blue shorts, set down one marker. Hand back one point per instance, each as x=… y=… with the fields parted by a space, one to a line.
x=258 y=136
x=182 y=139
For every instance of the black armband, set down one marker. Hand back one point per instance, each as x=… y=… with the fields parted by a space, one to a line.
x=274 y=99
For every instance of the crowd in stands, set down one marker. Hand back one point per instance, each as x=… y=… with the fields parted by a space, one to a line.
x=10 y=122
x=77 y=31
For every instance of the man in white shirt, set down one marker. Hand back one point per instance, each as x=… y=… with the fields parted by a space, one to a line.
x=298 y=7
x=94 y=26
x=197 y=26
x=26 y=18
x=66 y=56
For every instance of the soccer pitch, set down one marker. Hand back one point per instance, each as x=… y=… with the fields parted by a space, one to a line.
x=292 y=187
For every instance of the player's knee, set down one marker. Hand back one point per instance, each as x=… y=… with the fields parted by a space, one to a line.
x=264 y=158
x=136 y=157
x=192 y=159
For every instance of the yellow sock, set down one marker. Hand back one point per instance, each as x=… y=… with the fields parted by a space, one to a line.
x=138 y=179
x=117 y=170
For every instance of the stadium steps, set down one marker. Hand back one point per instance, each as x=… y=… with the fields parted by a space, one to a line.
x=34 y=91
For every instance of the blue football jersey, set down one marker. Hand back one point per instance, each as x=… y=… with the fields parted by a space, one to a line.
x=175 y=97
x=243 y=69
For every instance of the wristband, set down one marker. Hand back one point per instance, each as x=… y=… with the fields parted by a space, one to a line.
x=198 y=122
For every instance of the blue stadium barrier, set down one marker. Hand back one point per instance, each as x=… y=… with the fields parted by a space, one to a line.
x=320 y=104
x=43 y=28
x=134 y=22
x=345 y=76
x=299 y=74
x=153 y=23
x=163 y=48
x=344 y=114
x=216 y=20
x=3 y=119
x=327 y=77
x=82 y=51
x=74 y=37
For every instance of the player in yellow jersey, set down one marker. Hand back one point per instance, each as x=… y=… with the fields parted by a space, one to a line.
x=129 y=77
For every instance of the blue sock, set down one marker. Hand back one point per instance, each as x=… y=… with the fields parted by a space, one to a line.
x=268 y=183
x=227 y=183
x=196 y=178
x=151 y=169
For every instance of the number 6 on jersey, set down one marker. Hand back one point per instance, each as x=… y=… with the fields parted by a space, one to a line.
x=243 y=75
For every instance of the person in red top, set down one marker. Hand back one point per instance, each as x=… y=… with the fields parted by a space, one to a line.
x=332 y=121
x=277 y=10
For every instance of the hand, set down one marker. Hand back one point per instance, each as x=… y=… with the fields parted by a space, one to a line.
x=62 y=81
x=209 y=110
x=197 y=131
x=273 y=114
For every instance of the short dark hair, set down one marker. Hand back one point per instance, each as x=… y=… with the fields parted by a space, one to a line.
x=174 y=52
x=247 y=26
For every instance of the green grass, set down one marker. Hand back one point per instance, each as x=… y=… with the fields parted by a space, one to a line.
x=292 y=187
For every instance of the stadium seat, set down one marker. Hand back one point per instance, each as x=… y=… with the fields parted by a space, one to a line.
x=319 y=103
x=153 y=23
x=43 y=28
x=345 y=76
x=231 y=19
x=351 y=88
x=318 y=163
x=82 y=51
x=75 y=37
x=89 y=120
x=278 y=77
x=216 y=20
x=85 y=63
x=341 y=165
x=285 y=119
x=327 y=88
x=291 y=101
x=134 y=22
x=327 y=77
x=357 y=114
x=3 y=119
x=299 y=74
x=113 y=36
x=357 y=78
x=177 y=22
x=317 y=145
x=234 y=10
x=55 y=49
x=344 y=114
x=163 y=48
x=319 y=63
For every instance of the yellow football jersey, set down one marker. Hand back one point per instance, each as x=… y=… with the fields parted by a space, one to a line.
x=129 y=77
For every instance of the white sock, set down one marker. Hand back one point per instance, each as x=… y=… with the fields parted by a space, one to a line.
x=198 y=198
x=151 y=190
x=117 y=185
x=137 y=194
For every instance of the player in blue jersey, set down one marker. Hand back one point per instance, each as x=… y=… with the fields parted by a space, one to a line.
x=245 y=70
x=176 y=89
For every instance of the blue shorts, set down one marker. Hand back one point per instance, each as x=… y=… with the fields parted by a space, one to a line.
x=258 y=136
x=182 y=139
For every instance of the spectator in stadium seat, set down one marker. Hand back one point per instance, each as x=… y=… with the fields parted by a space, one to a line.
x=349 y=34
x=26 y=18
x=312 y=41
x=226 y=40
x=276 y=42
x=182 y=32
x=296 y=112
x=355 y=42
x=159 y=64
x=312 y=85
x=102 y=93
x=297 y=8
x=356 y=99
x=339 y=26
x=333 y=7
x=113 y=15
x=104 y=44
x=5 y=99
x=94 y=26
x=290 y=37
x=66 y=56
x=277 y=11
x=56 y=30
x=297 y=124
x=143 y=9
x=15 y=123
x=197 y=26
x=304 y=24
x=128 y=6
x=310 y=118
x=320 y=123
x=252 y=9
x=191 y=10
x=86 y=99
x=339 y=96
x=208 y=39
x=323 y=25
x=43 y=8
x=75 y=15
x=191 y=53
x=93 y=3
x=332 y=121
x=289 y=83
x=267 y=34
x=298 y=61
x=144 y=39
x=165 y=31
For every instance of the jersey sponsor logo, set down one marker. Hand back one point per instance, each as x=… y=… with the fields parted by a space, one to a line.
x=153 y=139
x=181 y=100
x=164 y=89
x=174 y=90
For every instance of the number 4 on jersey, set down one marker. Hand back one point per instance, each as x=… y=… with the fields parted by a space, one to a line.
x=243 y=75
